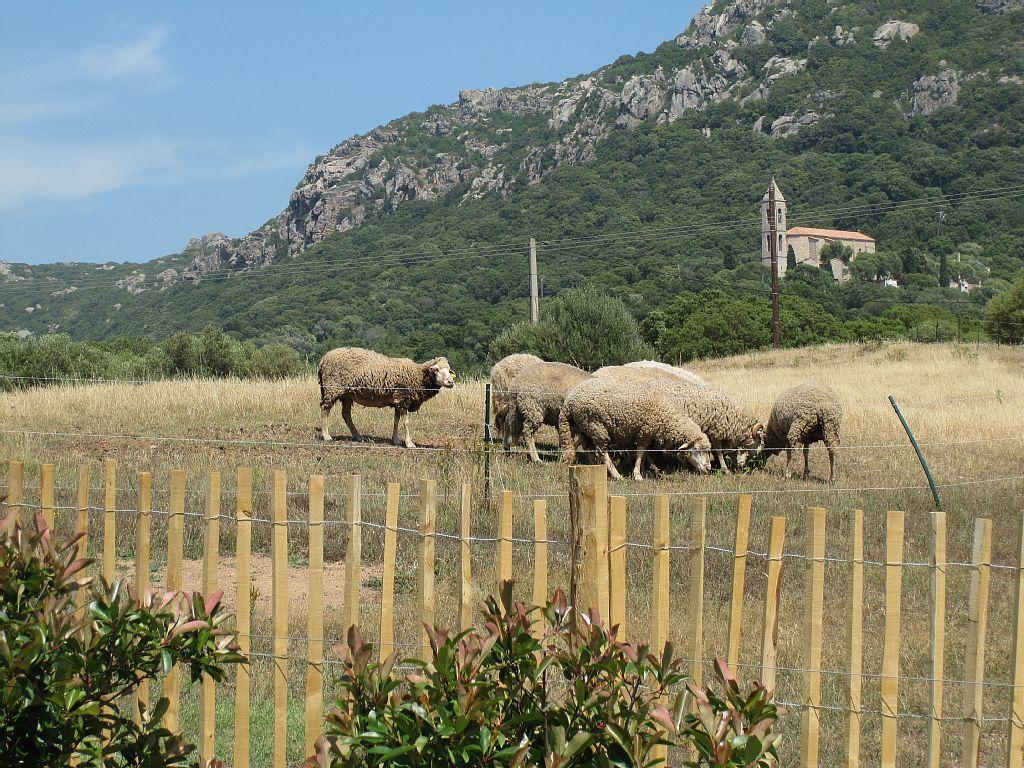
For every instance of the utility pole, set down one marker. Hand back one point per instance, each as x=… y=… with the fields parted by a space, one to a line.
x=942 y=219
x=773 y=249
x=534 y=301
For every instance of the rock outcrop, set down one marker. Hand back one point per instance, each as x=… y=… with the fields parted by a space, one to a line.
x=931 y=93
x=1000 y=6
x=892 y=31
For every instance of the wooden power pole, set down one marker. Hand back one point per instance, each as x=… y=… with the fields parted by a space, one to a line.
x=773 y=249
x=534 y=300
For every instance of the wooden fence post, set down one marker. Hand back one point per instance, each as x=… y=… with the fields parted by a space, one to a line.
x=814 y=597
x=142 y=564
x=315 y=615
x=428 y=521
x=15 y=487
x=354 y=557
x=1015 y=737
x=660 y=597
x=938 y=640
x=739 y=575
x=211 y=581
x=853 y=718
x=698 y=541
x=977 y=623
x=465 y=559
x=110 y=521
x=280 y=602
x=243 y=612
x=617 y=564
x=504 y=553
x=588 y=505
x=175 y=553
x=772 y=591
x=82 y=525
x=540 y=562
x=46 y=494
x=891 y=643
x=387 y=588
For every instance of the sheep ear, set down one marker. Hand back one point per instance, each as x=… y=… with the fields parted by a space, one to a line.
x=685 y=446
x=757 y=430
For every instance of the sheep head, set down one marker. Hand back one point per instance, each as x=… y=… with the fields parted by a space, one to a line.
x=440 y=374
x=697 y=454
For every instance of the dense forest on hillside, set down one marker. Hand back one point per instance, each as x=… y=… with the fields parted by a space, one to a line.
x=665 y=218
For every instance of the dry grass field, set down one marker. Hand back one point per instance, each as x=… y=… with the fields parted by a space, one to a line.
x=964 y=402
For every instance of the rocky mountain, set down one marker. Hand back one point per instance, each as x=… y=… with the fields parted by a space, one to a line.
x=784 y=71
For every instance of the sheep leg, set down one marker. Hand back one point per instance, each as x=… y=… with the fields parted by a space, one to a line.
x=611 y=466
x=638 y=466
x=807 y=460
x=531 y=445
x=325 y=432
x=789 y=459
x=394 y=429
x=346 y=413
x=408 y=438
x=724 y=462
x=831 y=464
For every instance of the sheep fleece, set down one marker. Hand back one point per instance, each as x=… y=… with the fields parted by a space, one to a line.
x=726 y=423
x=805 y=414
x=537 y=394
x=375 y=380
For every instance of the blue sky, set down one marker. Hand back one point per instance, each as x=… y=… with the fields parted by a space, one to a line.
x=127 y=128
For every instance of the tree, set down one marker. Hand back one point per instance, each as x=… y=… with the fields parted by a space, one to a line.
x=1004 y=315
x=581 y=326
x=63 y=675
x=835 y=250
x=943 y=271
x=790 y=258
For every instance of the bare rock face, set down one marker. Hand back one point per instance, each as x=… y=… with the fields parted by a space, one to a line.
x=642 y=98
x=754 y=34
x=841 y=37
x=709 y=27
x=134 y=283
x=8 y=275
x=931 y=93
x=1000 y=6
x=892 y=31
x=695 y=88
x=790 y=125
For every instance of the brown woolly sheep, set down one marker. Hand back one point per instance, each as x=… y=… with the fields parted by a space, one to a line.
x=805 y=414
x=535 y=398
x=354 y=375
x=502 y=372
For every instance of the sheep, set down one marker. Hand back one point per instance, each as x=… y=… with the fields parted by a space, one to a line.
x=805 y=414
x=606 y=413
x=729 y=426
x=673 y=371
x=502 y=372
x=354 y=375
x=535 y=398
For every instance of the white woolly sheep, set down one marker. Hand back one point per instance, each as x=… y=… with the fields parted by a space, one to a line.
x=730 y=427
x=502 y=372
x=805 y=414
x=604 y=413
x=674 y=371
x=354 y=375
x=535 y=398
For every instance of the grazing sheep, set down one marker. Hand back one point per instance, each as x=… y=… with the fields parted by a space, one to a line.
x=535 y=398
x=675 y=372
x=362 y=376
x=603 y=413
x=802 y=415
x=502 y=372
x=729 y=426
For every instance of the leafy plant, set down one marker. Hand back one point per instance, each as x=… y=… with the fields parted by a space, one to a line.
x=63 y=674
x=499 y=696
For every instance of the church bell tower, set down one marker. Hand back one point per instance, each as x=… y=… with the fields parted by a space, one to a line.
x=780 y=227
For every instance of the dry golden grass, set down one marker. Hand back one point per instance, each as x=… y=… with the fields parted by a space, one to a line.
x=964 y=402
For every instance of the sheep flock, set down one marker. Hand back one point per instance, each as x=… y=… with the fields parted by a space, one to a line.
x=648 y=413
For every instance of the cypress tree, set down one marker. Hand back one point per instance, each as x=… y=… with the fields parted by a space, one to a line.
x=790 y=258
x=943 y=271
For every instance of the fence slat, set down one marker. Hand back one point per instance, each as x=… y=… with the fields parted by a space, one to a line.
x=617 y=564
x=540 y=562
x=891 y=642
x=977 y=622
x=175 y=553
x=599 y=551
x=739 y=575
x=660 y=597
x=46 y=497
x=387 y=588
x=15 y=487
x=315 y=615
x=82 y=527
x=588 y=581
x=428 y=521
x=142 y=563
x=280 y=601
x=504 y=553
x=465 y=559
x=354 y=556
x=698 y=540
x=938 y=636
x=211 y=583
x=772 y=591
x=1015 y=738
x=853 y=718
x=110 y=520
x=243 y=612
x=814 y=597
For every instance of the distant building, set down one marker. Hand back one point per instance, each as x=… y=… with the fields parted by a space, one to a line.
x=806 y=242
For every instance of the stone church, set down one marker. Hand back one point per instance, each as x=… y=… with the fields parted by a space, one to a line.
x=807 y=242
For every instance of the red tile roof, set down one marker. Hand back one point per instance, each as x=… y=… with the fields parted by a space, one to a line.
x=836 y=234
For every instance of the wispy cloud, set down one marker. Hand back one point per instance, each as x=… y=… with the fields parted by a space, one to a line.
x=142 y=57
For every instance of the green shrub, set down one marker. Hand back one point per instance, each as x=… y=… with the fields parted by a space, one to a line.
x=501 y=697
x=62 y=675
x=1004 y=315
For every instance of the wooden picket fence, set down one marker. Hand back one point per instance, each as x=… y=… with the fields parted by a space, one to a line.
x=598 y=562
